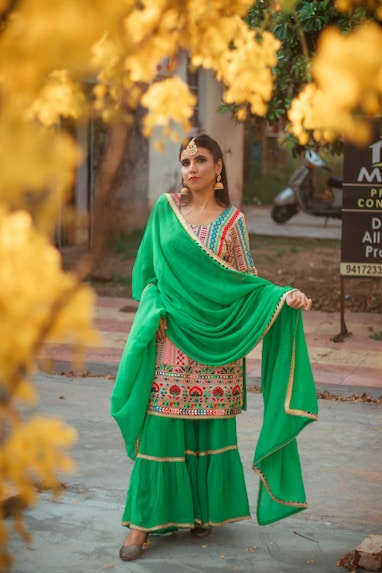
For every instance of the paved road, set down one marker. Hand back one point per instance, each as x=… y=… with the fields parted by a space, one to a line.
x=81 y=532
x=260 y=222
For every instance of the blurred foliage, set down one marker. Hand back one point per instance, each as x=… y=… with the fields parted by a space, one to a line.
x=299 y=26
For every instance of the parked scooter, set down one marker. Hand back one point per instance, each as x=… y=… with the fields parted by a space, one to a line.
x=301 y=194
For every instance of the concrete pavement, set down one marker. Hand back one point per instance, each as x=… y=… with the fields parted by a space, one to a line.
x=354 y=365
x=340 y=454
x=260 y=222
x=81 y=532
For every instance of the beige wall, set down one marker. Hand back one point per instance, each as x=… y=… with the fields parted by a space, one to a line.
x=229 y=135
x=163 y=170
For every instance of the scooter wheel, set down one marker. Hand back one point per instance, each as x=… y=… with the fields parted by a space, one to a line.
x=282 y=213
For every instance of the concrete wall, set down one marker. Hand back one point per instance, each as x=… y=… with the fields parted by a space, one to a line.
x=227 y=133
x=163 y=170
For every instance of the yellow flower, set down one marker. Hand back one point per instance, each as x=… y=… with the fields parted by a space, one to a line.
x=347 y=71
x=168 y=101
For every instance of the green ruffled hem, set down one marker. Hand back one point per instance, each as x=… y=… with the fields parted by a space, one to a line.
x=206 y=491
x=187 y=473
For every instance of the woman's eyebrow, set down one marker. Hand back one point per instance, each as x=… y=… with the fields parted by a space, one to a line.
x=195 y=157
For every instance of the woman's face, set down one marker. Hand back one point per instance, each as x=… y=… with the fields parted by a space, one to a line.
x=199 y=171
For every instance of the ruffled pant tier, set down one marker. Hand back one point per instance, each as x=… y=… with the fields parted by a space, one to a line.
x=187 y=473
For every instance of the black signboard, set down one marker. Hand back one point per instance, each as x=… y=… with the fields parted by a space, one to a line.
x=361 y=246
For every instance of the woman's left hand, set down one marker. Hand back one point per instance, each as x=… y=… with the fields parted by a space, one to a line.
x=297 y=299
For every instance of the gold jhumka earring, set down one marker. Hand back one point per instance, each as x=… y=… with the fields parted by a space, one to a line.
x=218 y=185
x=184 y=191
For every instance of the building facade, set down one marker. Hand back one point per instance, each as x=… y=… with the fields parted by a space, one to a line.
x=145 y=173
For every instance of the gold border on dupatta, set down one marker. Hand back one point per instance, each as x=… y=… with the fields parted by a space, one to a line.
x=301 y=504
x=288 y=397
x=291 y=412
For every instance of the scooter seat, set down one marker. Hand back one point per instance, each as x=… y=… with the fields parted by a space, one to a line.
x=335 y=181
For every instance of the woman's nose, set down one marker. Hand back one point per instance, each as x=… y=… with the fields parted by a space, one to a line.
x=193 y=166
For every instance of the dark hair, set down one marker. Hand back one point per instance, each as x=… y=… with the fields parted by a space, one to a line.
x=204 y=140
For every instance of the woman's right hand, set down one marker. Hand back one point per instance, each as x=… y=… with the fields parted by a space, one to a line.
x=161 y=332
x=297 y=299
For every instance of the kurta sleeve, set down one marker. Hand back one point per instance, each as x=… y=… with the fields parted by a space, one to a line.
x=240 y=254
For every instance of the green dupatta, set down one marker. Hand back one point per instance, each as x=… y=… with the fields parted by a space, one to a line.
x=217 y=315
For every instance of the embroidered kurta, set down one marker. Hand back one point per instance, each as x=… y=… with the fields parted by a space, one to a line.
x=183 y=387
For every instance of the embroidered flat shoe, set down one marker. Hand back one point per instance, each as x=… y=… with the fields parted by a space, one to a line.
x=201 y=532
x=130 y=552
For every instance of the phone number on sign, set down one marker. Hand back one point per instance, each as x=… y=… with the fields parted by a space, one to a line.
x=361 y=269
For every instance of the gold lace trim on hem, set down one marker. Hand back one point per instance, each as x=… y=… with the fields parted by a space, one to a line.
x=211 y=452
x=158 y=527
x=178 y=459
x=196 y=523
x=157 y=459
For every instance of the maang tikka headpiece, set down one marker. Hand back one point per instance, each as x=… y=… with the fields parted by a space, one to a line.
x=191 y=148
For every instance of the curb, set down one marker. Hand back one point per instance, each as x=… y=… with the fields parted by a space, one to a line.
x=109 y=370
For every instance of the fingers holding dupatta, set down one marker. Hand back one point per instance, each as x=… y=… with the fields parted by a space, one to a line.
x=297 y=299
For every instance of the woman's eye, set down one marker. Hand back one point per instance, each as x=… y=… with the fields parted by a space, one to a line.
x=201 y=159
x=185 y=163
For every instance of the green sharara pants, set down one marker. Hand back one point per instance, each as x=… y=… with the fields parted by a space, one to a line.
x=187 y=473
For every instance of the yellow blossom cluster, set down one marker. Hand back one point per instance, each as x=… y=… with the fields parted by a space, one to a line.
x=32 y=456
x=41 y=36
x=60 y=97
x=37 y=169
x=215 y=37
x=152 y=28
x=37 y=298
x=374 y=5
x=158 y=98
x=39 y=42
x=38 y=301
x=347 y=72
x=247 y=71
x=106 y=57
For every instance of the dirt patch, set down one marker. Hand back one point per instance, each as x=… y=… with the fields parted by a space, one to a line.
x=312 y=265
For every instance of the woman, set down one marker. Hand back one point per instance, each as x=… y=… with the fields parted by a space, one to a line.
x=181 y=380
